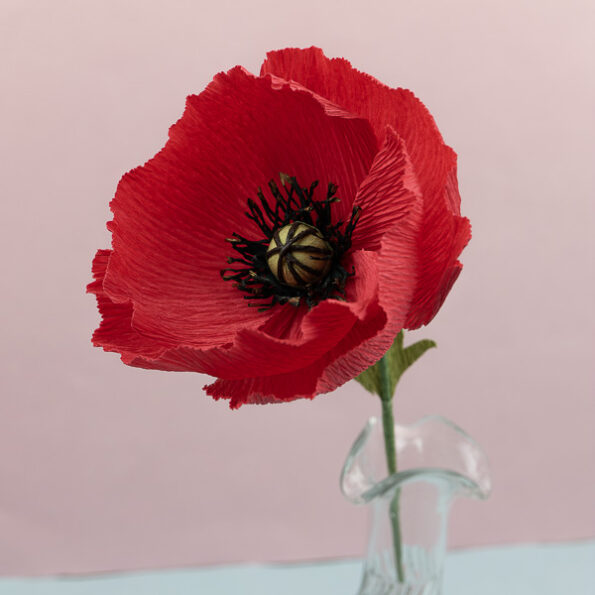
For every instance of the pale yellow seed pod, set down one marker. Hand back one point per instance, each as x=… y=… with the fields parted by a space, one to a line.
x=298 y=255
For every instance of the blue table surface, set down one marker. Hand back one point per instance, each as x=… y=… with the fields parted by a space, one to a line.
x=547 y=569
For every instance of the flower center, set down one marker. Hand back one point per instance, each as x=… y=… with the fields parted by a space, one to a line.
x=299 y=258
x=298 y=255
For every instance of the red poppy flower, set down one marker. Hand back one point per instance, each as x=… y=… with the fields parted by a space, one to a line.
x=310 y=153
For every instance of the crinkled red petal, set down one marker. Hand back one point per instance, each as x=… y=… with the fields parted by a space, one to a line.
x=442 y=238
x=443 y=233
x=397 y=229
x=116 y=331
x=305 y=382
x=300 y=384
x=254 y=352
x=172 y=216
x=388 y=194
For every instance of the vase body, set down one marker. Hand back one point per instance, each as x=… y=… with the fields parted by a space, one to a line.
x=437 y=462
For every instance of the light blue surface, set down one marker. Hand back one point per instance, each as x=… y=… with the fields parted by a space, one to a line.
x=555 y=569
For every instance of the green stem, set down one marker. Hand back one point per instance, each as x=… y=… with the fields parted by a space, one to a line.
x=388 y=425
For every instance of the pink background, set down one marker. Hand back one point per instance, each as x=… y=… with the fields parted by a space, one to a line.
x=108 y=467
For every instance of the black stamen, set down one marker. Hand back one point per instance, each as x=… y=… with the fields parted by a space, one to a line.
x=291 y=204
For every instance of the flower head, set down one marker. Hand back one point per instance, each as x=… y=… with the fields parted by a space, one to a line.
x=292 y=225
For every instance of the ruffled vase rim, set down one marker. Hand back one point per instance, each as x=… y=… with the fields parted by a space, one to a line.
x=460 y=483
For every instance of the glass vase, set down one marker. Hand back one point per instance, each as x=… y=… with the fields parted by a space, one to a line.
x=437 y=462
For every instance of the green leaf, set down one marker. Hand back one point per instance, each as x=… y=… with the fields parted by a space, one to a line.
x=398 y=360
x=370 y=379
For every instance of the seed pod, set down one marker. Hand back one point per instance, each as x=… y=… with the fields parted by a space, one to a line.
x=298 y=255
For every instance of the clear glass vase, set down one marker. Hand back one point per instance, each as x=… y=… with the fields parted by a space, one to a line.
x=437 y=462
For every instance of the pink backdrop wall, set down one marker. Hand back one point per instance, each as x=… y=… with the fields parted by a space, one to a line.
x=105 y=467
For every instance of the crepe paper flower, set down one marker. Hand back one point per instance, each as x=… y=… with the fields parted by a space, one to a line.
x=294 y=223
